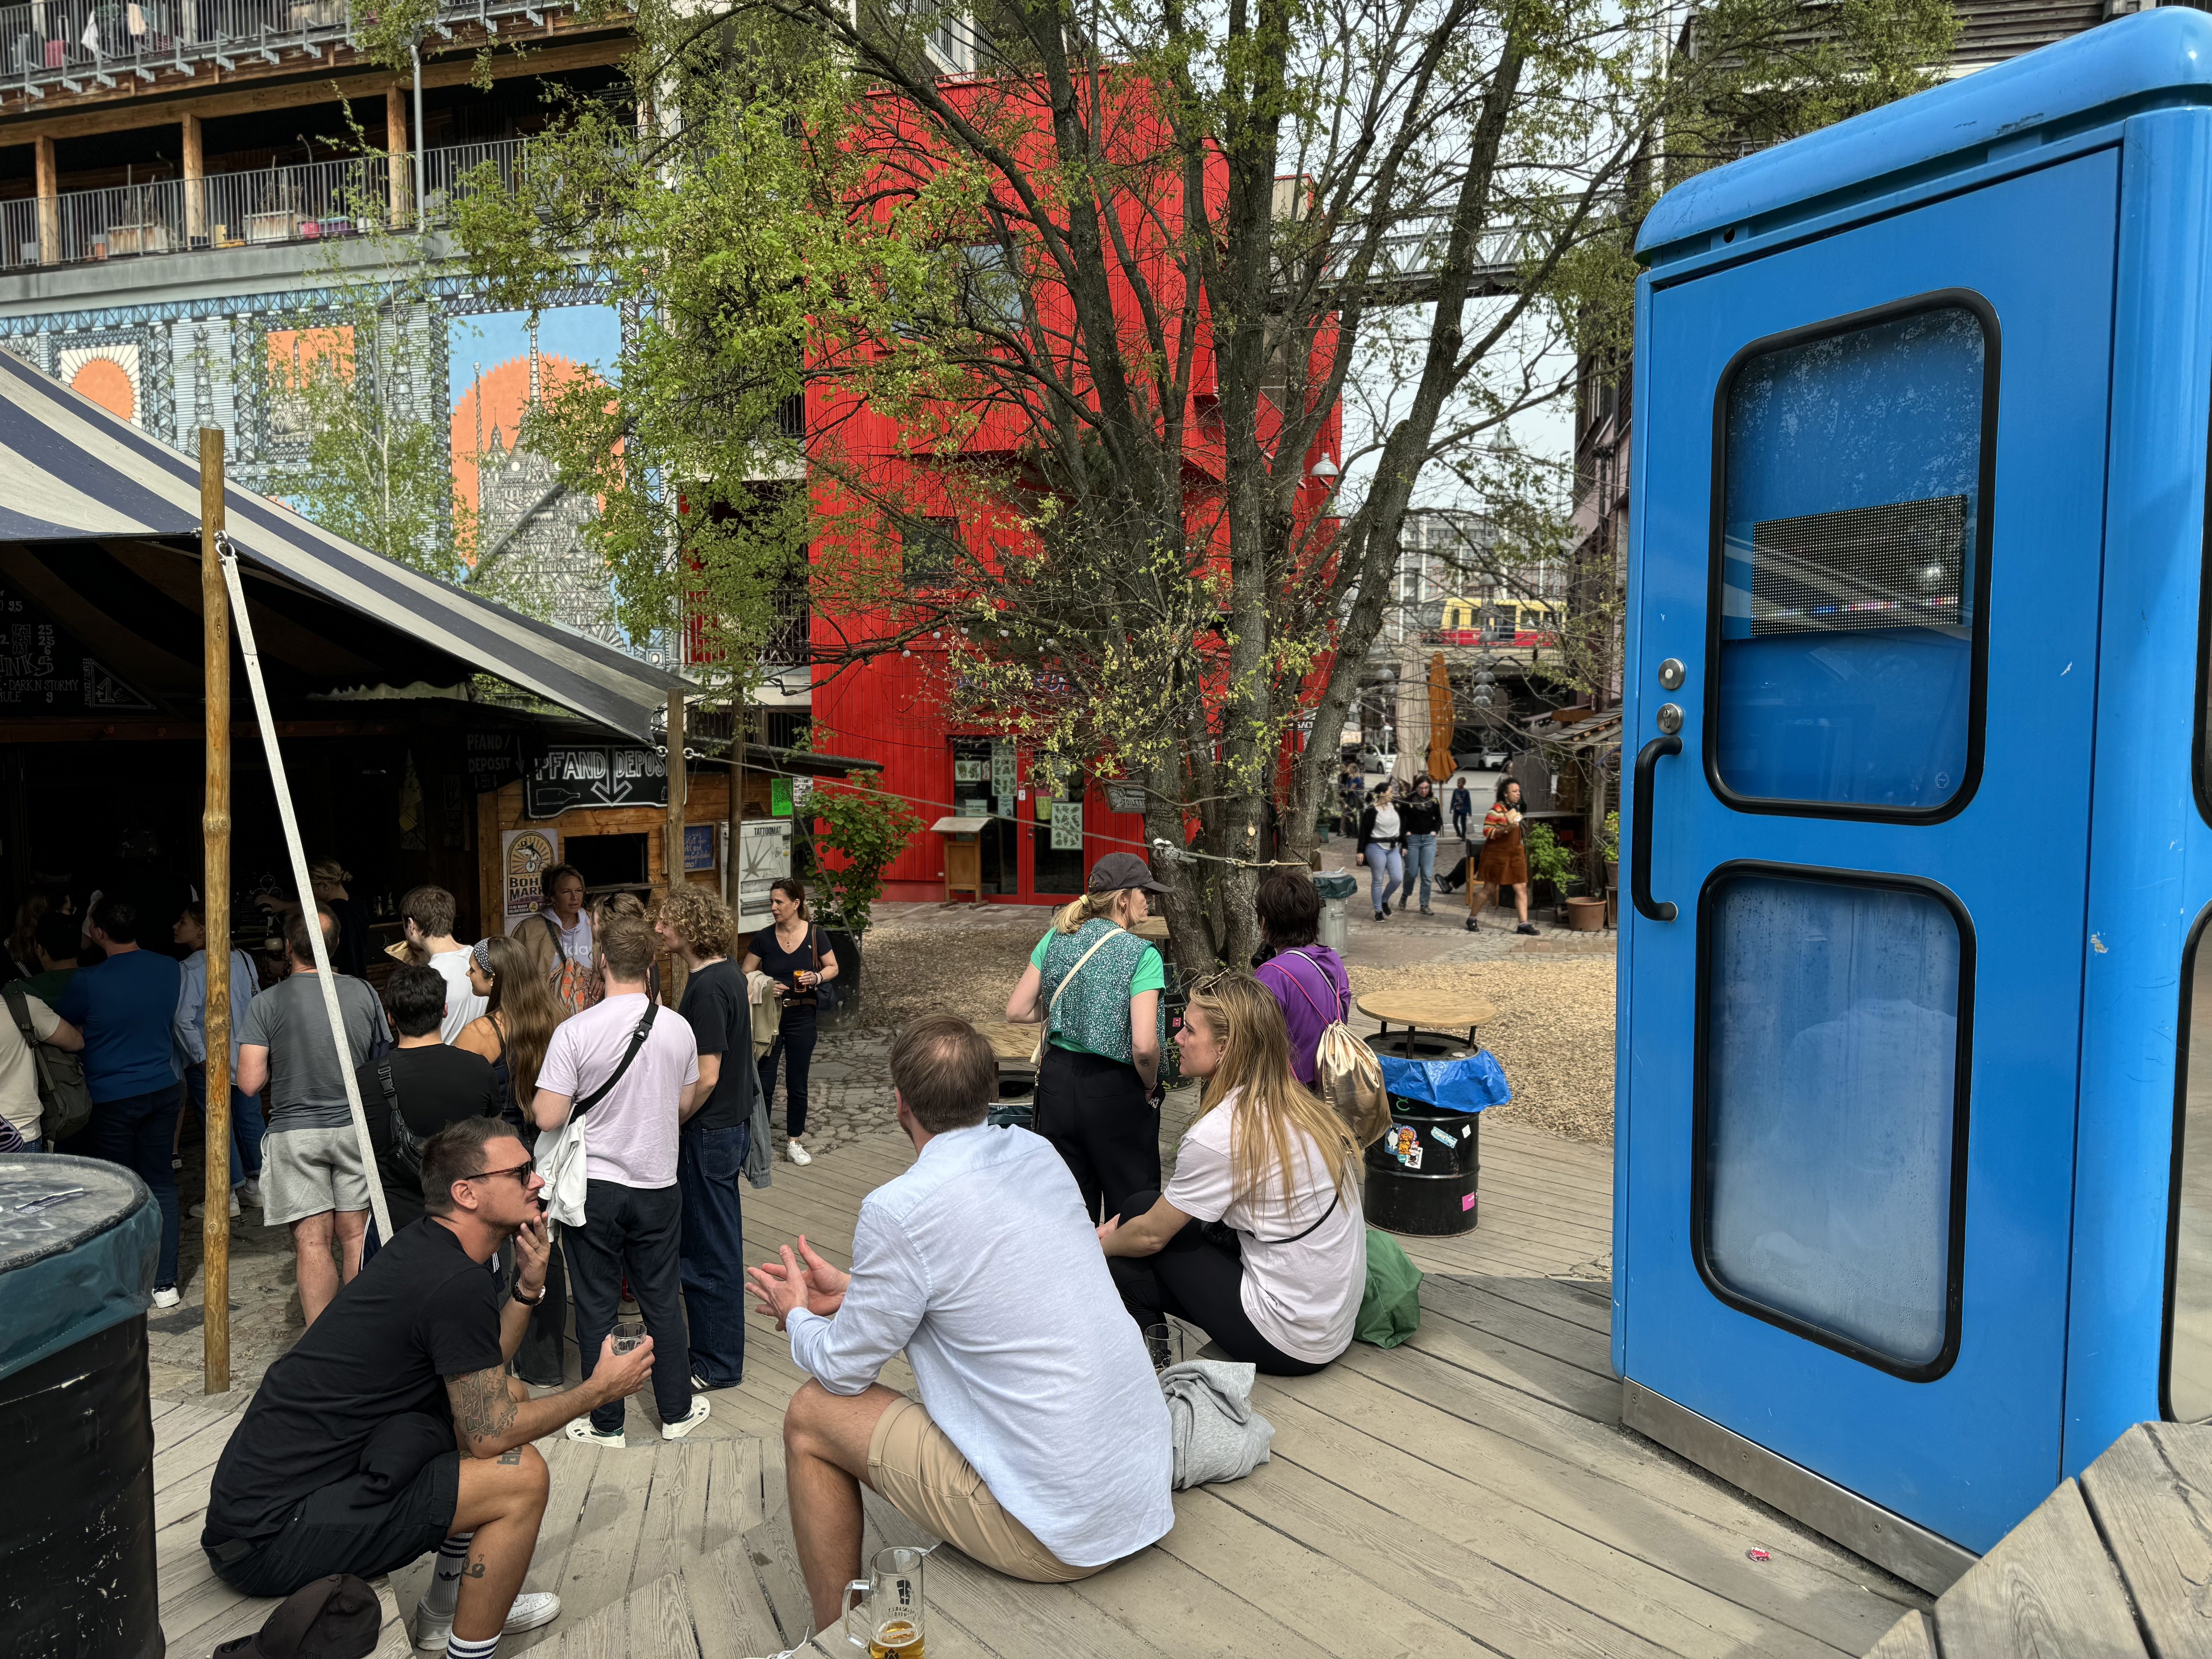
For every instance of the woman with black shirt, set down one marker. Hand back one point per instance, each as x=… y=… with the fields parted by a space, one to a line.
x=428 y=1083
x=792 y=953
x=1423 y=815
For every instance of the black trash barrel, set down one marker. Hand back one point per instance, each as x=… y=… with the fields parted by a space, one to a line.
x=1421 y=1172
x=77 y=1243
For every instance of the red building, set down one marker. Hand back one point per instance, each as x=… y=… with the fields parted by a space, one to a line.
x=895 y=706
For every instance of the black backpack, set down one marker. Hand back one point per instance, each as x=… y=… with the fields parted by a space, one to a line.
x=65 y=1097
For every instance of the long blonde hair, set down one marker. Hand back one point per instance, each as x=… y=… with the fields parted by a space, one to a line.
x=1271 y=1104
x=523 y=1007
x=1071 y=918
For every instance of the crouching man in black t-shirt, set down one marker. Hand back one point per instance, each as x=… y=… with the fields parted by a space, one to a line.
x=347 y=1459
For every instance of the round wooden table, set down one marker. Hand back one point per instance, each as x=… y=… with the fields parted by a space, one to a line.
x=1013 y=1044
x=1427 y=1008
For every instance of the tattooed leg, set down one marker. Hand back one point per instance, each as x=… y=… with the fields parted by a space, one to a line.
x=502 y=1502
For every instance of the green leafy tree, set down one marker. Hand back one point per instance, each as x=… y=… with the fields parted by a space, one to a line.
x=1111 y=290
x=866 y=828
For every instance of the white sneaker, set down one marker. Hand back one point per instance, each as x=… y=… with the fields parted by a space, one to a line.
x=690 y=1420
x=581 y=1429
x=248 y=1193
x=797 y=1153
x=200 y=1210
x=166 y=1296
x=532 y=1609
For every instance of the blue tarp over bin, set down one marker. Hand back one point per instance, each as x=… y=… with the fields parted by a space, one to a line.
x=77 y=1241
x=1468 y=1085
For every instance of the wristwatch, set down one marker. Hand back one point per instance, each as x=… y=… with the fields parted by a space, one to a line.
x=528 y=1301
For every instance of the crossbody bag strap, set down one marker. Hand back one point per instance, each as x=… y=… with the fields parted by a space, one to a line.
x=636 y=1041
x=1336 y=1197
x=1307 y=995
x=21 y=1011
x=408 y=1141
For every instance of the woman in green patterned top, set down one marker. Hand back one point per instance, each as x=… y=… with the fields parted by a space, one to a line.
x=1095 y=989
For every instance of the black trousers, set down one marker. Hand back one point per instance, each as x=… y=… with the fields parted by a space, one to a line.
x=1196 y=1279
x=1095 y=1112
x=541 y=1359
x=637 y=1232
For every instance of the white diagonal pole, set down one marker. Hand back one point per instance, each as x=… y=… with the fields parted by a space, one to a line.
x=303 y=884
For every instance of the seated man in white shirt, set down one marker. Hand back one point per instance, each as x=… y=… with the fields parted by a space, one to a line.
x=1050 y=1399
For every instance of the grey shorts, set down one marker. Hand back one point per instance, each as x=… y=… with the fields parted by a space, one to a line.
x=309 y=1172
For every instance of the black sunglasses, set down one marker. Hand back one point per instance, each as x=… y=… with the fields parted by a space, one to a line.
x=522 y=1172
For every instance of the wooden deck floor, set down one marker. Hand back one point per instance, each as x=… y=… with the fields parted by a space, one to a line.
x=1472 y=1493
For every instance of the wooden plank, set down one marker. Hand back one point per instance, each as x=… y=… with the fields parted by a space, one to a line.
x=1551 y=1535
x=775 y=1562
x=661 y=1620
x=571 y=1466
x=734 y=1500
x=597 y=1573
x=1473 y=1349
x=602 y=1635
x=674 y=1524
x=2046 y=1591
x=195 y=1444
x=1163 y=1601
x=1474 y=1596
x=1909 y=1638
x=1470 y=1301
x=2154 y=1507
x=728 y=1612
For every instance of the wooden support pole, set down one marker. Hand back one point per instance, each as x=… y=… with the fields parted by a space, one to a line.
x=214 y=610
x=196 y=220
x=395 y=145
x=677 y=790
x=733 y=825
x=48 y=184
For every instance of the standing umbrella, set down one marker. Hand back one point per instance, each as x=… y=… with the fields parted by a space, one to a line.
x=1444 y=724
x=1413 y=729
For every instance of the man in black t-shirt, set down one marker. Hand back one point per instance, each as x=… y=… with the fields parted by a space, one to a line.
x=711 y=1146
x=346 y=1460
x=431 y=1083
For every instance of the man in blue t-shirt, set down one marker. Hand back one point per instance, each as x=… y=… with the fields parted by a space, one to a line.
x=124 y=1006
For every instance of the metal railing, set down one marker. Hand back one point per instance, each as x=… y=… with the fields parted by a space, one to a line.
x=77 y=46
x=314 y=201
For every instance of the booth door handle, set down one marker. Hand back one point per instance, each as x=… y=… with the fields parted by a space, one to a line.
x=1640 y=865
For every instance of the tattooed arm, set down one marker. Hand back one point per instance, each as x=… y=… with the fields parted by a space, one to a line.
x=489 y=1418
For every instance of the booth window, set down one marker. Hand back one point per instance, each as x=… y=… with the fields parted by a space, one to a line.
x=1852 y=546
x=2189 y=1291
x=1831 y=1109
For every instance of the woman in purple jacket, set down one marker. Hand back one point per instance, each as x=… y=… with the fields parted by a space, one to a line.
x=1307 y=978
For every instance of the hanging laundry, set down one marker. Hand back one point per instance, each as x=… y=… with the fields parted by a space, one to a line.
x=90 y=38
x=136 y=19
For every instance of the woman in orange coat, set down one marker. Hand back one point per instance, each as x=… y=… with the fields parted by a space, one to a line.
x=1505 y=861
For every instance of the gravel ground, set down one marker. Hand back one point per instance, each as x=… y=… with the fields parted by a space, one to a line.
x=1553 y=1034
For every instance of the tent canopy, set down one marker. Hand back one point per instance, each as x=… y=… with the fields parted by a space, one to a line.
x=99 y=530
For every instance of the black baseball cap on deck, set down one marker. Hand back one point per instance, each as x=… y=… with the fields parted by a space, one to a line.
x=334 y=1618
x=1119 y=870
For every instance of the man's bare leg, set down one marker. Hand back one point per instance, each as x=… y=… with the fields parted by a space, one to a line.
x=825 y=1460
x=315 y=1272
x=351 y=1227
x=502 y=1502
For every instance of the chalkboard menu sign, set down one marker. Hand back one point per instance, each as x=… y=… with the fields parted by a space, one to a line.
x=570 y=775
x=42 y=667
x=494 y=759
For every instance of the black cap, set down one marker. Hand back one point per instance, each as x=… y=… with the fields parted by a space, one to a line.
x=333 y=1618
x=1117 y=871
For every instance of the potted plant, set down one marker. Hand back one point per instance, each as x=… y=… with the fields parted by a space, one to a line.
x=1551 y=866
x=865 y=829
x=1609 y=850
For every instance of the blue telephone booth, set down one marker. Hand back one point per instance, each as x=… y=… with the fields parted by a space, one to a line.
x=1912 y=1216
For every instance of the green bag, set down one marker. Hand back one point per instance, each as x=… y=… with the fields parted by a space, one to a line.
x=1390 y=1311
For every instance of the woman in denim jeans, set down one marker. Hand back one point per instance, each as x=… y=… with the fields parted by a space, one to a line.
x=1383 y=848
x=1423 y=817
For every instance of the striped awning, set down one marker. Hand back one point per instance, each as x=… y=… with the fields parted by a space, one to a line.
x=99 y=528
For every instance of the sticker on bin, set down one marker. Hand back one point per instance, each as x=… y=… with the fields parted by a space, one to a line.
x=1444 y=1135
x=1404 y=1143
x=1465 y=1202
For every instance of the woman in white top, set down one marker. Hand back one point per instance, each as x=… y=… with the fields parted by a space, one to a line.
x=1383 y=845
x=1278 y=1282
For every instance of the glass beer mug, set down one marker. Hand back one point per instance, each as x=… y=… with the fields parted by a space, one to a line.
x=890 y=1602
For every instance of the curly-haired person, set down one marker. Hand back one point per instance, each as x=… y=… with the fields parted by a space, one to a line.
x=716 y=1135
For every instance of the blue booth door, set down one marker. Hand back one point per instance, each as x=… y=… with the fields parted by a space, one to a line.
x=1868 y=588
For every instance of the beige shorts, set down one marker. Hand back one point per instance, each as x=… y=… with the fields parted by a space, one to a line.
x=915 y=1464
x=310 y=1172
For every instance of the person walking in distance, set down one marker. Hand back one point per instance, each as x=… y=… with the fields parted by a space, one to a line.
x=246 y=1129
x=1462 y=806
x=1095 y=987
x=1505 y=861
x=427 y=914
x=313 y=1180
x=1383 y=846
x=710 y=1155
x=126 y=1007
x=1423 y=817
x=513 y=1034
x=634 y=1066
x=792 y=951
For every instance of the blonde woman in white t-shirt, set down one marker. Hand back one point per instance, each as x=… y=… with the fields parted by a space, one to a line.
x=1276 y=1169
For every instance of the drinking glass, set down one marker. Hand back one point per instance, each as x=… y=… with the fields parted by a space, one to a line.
x=891 y=1604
